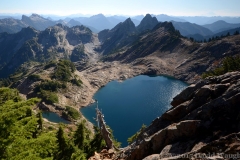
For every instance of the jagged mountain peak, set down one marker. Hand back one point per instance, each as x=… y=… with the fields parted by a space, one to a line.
x=148 y=22
x=128 y=20
x=35 y=15
x=117 y=37
x=127 y=25
x=37 y=21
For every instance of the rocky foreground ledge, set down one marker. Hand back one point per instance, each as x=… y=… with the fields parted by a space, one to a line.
x=204 y=122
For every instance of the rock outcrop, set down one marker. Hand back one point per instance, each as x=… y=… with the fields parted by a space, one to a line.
x=203 y=121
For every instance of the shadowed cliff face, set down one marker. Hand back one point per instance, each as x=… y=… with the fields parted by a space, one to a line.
x=203 y=116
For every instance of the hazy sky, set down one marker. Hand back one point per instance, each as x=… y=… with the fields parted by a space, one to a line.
x=124 y=7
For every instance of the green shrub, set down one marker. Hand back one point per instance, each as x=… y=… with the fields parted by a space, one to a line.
x=34 y=77
x=135 y=136
x=73 y=113
x=5 y=82
x=50 y=64
x=64 y=70
x=50 y=86
x=48 y=97
x=9 y=94
x=50 y=128
x=76 y=82
x=229 y=64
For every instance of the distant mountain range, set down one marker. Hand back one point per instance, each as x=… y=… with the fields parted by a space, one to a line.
x=11 y=25
x=100 y=22
x=220 y=26
x=187 y=29
x=205 y=32
x=202 y=20
x=37 y=22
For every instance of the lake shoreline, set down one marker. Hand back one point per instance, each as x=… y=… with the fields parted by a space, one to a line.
x=159 y=79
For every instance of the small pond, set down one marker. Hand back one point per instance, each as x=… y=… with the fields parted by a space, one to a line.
x=53 y=117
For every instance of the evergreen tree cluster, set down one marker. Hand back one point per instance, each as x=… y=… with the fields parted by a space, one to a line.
x=229 y=64
x=213 y=38
x=135 y=136
x=63 y=70
x=23 y=136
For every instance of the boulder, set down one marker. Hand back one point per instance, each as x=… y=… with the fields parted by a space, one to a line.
x=204 y=121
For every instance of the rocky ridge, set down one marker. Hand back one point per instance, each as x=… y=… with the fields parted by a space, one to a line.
x=76 y=43
x=204 y=119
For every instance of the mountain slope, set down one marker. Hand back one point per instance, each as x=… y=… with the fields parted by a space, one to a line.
x=11 y=25
x=220 y=26
x=11 y=43
x=163 y=37
x=37 y=22
x=121 y=35
x=163 y=50
x=187 y=28
x=55 y=42
x=202 y=20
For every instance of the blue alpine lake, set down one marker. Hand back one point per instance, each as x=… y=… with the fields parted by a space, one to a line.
x=53 y=117
x=129 y=104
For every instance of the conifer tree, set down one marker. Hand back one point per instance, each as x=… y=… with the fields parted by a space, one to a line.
x=79 y=136
x=62 y=143
x=40 y=121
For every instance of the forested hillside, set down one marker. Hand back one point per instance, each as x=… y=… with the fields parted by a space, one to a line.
x=23 y=134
